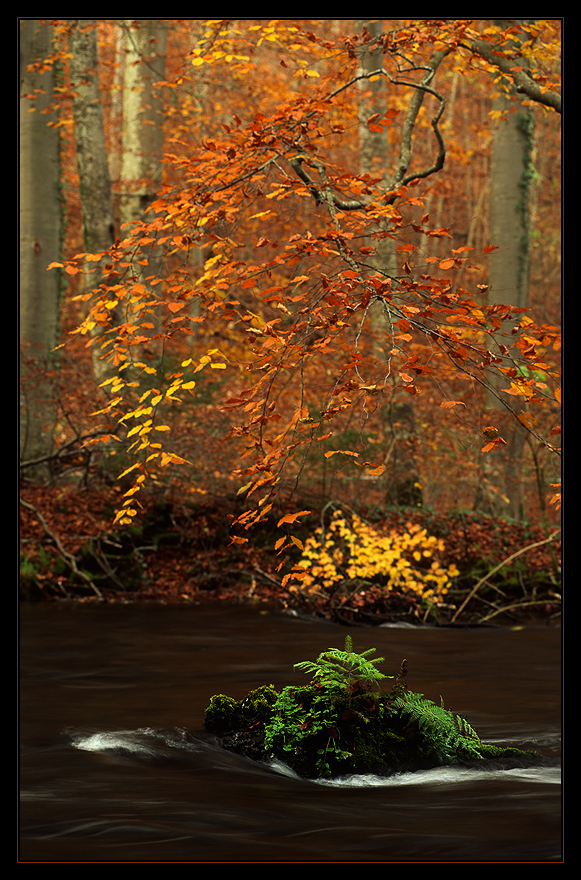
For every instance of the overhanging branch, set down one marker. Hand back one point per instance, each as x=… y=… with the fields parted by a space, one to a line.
x=524 y=83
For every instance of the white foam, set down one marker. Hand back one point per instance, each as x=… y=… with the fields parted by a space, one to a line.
x=447 y=776
x=126 y=740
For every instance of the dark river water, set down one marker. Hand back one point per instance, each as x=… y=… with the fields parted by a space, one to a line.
x=115 y=767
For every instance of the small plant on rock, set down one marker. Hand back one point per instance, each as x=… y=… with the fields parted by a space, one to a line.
x=344 y=671
x=342 y=722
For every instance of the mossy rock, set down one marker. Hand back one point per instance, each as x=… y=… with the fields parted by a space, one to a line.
x=345 y=723
x=318 y=735
x=225 y=715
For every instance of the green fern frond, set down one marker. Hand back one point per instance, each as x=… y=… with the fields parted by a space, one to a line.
x=341 y=670
x=447 y=735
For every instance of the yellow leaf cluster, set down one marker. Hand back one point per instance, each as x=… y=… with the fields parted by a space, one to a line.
x=399 y=561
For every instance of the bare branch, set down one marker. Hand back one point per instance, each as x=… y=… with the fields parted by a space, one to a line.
x=421 y=88
x=64 y=554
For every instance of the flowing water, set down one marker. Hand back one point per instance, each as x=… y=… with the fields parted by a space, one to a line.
x=115 y=766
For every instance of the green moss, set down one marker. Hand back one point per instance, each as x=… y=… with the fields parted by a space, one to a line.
x=343 y=724
x=225 y=715
x=258 y=705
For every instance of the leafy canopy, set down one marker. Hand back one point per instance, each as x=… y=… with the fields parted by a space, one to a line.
x=287 y=236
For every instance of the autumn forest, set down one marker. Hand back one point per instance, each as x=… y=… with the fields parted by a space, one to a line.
x=290 y=314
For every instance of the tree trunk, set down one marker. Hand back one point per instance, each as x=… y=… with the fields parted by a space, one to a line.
x=39 y=246
x=402 y=485
x=94 y=180
x=509 y=214
x=142 y=139
x=145 y=48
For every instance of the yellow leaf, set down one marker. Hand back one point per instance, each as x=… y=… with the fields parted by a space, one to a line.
x=118 y=516
x=162 y=428
x=129 y=469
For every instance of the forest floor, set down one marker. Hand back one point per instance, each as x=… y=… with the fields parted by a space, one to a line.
x=183 y=553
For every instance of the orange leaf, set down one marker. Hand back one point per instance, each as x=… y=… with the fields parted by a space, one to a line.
x=169 y=457
x=341 y=452
x=292 y=517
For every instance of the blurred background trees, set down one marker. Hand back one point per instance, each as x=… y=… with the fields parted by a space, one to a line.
x=228 y=128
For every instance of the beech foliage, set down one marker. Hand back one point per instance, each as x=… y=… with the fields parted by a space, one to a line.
x=254 y=271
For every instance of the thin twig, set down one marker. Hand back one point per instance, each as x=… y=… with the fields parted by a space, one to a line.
x=497 y=568
x=68 y=557
x=524 y=604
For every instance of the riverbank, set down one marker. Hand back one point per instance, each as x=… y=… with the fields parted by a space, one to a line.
x=507 y=572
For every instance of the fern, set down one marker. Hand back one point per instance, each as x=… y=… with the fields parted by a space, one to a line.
x=446 y=735
x=342 y=672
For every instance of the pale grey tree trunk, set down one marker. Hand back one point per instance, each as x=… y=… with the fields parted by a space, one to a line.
x=39 y=246
x=145 y=49
x=94 y=180
x=509 y=218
